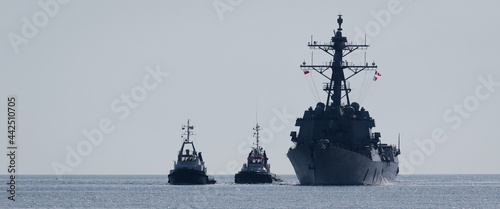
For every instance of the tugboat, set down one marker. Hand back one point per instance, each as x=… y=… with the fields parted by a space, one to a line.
x=190 y=167
x=335 y=144
x=256 y=170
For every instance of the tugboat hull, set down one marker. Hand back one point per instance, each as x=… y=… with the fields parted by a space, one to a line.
x=184 y=176
x=334 y=166
x=252 y=177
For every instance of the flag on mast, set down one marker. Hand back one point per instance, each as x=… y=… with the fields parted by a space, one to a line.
x=376 y=74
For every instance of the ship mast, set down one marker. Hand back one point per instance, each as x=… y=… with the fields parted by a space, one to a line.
x=256 y=134
x=188 y=129
x=337 y=48
x=188 y=133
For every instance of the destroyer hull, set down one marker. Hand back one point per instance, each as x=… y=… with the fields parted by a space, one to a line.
x=189 y=176
x=252 y=177
x=333 y=166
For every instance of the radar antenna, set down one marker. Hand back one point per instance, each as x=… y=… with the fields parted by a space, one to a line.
x=338 y=48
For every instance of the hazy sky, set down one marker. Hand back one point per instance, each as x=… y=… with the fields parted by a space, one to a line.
x=135 y=71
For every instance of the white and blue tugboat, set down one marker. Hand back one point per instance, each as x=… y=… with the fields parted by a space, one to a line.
x=256 y=170
x=189 y=168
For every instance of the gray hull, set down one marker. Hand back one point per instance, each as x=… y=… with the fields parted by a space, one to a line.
x=334 y=166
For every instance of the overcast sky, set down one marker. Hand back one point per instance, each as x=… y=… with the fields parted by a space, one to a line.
x=135 y=71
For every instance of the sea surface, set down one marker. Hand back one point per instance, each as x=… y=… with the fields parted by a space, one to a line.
x=152 y=191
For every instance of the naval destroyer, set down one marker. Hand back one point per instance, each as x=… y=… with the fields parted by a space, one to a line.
x=335 y=144
x=190 y=167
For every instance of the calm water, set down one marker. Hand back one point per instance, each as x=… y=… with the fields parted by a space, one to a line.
x=410 y=191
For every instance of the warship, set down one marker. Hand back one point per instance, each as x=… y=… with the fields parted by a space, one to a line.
x=256 y=170
x=335 y=144
x=190 y=167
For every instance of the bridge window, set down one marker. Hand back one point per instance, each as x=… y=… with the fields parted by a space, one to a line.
x=256 y=161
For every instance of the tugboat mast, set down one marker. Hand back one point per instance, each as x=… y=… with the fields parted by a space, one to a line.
x=256 y=134
x=337 y=81
x=188 y=131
